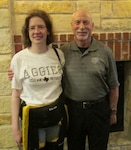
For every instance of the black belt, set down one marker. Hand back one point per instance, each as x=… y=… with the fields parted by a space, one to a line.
x=85 y=104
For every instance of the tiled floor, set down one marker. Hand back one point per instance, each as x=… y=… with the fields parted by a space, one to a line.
x=118 y=141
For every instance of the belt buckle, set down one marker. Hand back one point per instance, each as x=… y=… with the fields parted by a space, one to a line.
x=84 y=105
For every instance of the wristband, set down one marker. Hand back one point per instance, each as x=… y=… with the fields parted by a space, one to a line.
x=113 y=111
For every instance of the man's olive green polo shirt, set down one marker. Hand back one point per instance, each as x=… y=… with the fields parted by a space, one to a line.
x=89 y=75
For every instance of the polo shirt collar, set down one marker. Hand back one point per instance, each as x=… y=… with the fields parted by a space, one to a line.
x=92 y=47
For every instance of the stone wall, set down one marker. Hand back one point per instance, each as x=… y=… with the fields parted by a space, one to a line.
x=6 y=51
x=112 y=16
x=108 y=15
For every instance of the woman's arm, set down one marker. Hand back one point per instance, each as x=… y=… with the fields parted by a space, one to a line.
x=15 y=105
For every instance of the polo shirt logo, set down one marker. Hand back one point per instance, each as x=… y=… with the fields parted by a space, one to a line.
x=95 y=60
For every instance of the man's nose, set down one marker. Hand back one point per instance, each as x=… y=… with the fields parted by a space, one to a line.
x=82 y=25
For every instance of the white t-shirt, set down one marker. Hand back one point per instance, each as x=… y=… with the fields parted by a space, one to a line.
x=38 y=75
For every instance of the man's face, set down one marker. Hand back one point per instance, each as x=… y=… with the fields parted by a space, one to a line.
x=82 y=26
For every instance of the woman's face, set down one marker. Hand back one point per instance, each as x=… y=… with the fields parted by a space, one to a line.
x=37 y=30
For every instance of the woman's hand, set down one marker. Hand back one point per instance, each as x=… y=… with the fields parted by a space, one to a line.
x=17 y=137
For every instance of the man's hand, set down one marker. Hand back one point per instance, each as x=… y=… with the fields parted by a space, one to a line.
x=10 y=74
x=113 y=118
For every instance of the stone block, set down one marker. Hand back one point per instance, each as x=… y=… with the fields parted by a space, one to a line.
x=3 y=3
x=5 y=41
x=106 y=9
x=18 y=24
x=58 y=7
x=115 y=24
x=5 y=87
x=61 y=23
x=121 y=9
x=91 y=6
x=48 y=6
x=4 y=62
x=5 y=17
x=6 y=139
x=5 y=104
x=5 y=119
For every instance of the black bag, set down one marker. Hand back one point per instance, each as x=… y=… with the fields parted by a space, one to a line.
x=46 y=116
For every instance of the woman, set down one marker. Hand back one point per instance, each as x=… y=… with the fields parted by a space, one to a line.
x=37 y=82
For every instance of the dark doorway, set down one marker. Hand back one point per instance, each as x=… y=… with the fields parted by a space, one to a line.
x=120 y=109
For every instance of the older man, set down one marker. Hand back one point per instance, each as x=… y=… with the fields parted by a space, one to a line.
x=91 y=86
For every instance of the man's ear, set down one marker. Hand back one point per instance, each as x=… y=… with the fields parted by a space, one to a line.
x=93 y=26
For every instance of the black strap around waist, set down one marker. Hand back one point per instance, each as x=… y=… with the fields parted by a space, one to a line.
x=85 y=104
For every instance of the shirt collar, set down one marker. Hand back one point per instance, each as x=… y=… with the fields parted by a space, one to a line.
x=92 y=47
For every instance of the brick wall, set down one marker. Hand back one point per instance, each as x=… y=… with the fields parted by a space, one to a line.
x=119 y=42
